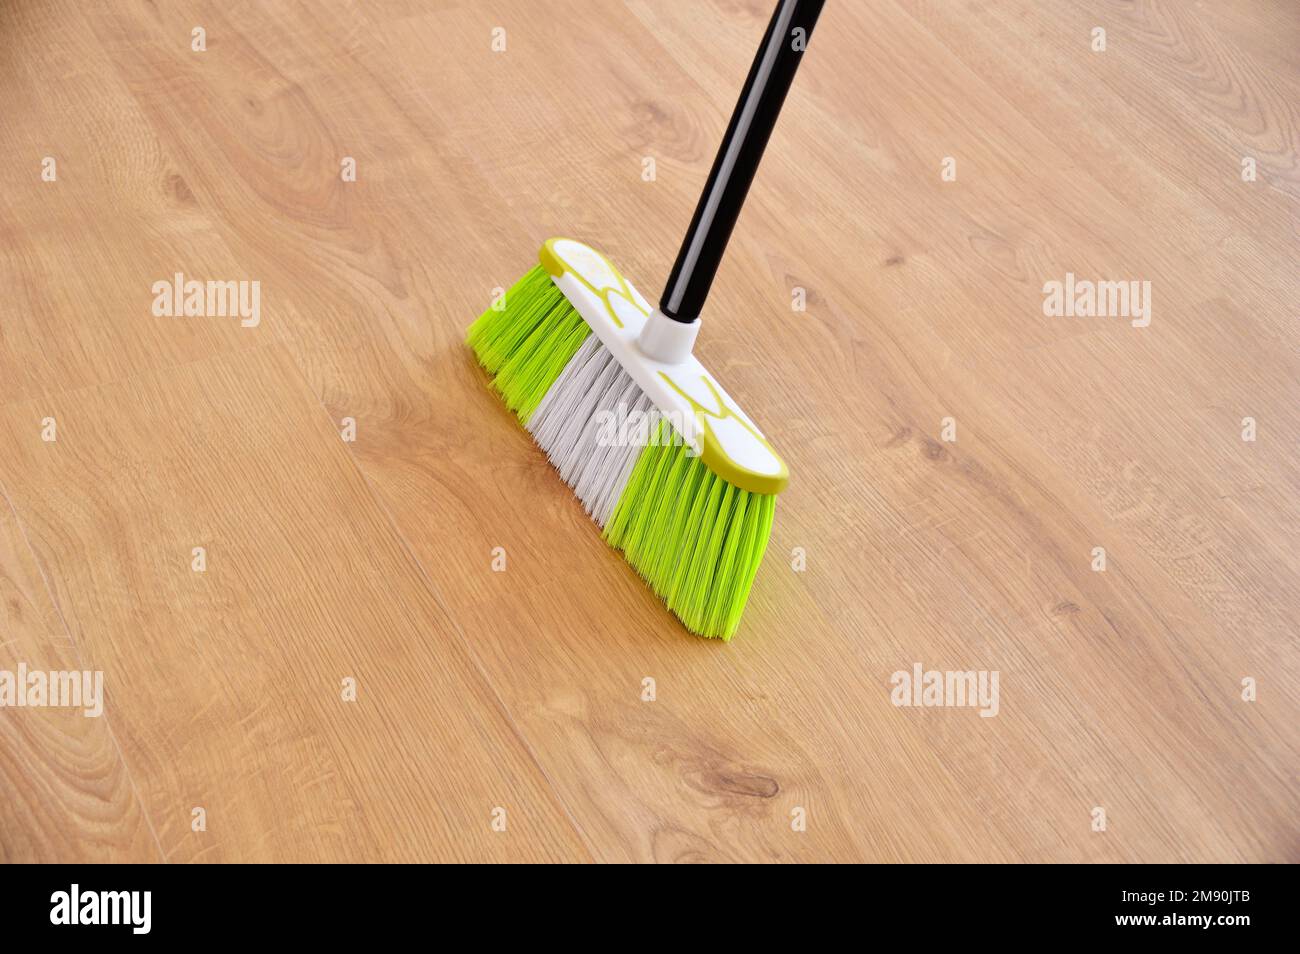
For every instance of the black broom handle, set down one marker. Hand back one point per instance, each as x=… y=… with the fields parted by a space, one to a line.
x=742 y=147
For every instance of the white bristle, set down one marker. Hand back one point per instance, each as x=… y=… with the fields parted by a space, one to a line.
x=572 y=425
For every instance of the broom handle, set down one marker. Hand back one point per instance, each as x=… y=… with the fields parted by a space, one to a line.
x=742 y=147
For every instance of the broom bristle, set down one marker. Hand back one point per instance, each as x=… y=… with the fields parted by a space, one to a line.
x=527 y=341
x=695 y=538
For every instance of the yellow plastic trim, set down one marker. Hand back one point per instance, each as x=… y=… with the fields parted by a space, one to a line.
x=716 y=459
x=551 y=261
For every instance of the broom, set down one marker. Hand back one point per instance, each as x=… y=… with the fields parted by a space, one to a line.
x=663 y=459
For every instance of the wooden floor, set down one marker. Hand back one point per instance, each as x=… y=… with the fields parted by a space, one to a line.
x=489 y=700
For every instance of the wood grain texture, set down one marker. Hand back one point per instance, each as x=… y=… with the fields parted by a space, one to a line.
x=522 y=689
x=67 y=791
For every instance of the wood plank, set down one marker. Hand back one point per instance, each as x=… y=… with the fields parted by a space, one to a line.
x=79 y=255
x=227 y=684
x=65 y=794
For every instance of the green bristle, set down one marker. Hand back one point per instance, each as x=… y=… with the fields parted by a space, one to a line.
x=526 y=344
x=695 y=538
